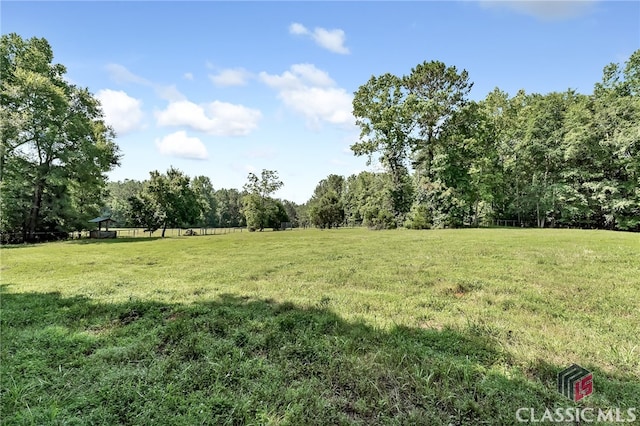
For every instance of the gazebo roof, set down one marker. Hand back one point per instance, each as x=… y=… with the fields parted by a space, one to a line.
x=102 y=219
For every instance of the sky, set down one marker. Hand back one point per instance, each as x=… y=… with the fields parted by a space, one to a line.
x=223 y=89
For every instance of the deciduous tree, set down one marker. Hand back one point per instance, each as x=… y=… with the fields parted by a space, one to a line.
x=386 y=117
x=229 y=208
x=437 y=91
x=259 y=207
x=55 y=147
x=326 y=208
x=205 y=195
x=167 y=200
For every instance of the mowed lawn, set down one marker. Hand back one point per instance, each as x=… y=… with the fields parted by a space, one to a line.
x=346 y=326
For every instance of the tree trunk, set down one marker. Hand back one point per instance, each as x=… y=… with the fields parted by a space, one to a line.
x=544 y=186
x=476 y=213
x=35 y=210
x=24 y=230
x=2 y=162
x=164 y=228
x=429 y=154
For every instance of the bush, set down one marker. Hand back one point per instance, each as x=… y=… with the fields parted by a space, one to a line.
x=379 y=218
x=418 y=218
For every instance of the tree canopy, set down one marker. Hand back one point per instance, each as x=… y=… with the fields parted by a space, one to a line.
x=55 y=146
x=167 y=200
x=259 y=208
x=556 y=159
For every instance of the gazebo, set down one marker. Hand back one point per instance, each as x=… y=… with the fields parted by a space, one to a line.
x=99 y=233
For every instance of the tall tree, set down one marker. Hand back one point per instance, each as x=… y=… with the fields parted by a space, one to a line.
x=206 y=198
x=385 y=116
x=144 y=212
x=603 y=143
x=438 y=91
x=167 y=200
x=55 y=146
x=292 y=211
x=465 y=171
x=259 y=207
x=541 y=155
x=326 y=206
x=367 y=200
x=498 y=113
x=117 y=204
x=229 y=208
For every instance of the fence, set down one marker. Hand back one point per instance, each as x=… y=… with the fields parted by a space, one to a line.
x=174 y=232
x=40 y=237
x=503 y=222
x=17 y=238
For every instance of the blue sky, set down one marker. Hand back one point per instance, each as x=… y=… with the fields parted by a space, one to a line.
x=222 y=89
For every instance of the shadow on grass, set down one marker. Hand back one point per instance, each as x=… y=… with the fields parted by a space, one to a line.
x=113 y=240
x=83 y=241
x=240 y=361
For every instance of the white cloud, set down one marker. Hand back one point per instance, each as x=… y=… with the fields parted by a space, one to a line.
x=298 y=29
x=169 y=93
x=332 y=40
x=544 y=9
x=332 y=105
x=188 y=76
x=121 y=74
x=300 y=76
x=309 y=73
x=178 y=144
x=216 y=118
x=121 y=111
x=312 y=93
x=230 y=77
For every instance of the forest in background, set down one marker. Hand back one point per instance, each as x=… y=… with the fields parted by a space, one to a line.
x=553 y=160
x=561 y=159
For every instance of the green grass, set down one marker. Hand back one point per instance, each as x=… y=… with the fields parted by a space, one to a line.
x=343 y=326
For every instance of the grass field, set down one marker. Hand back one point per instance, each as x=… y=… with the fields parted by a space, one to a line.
x=344 y=326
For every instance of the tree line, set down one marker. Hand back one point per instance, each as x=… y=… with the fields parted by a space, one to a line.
x=547 y=160
x=174 y=200
x=561 y=159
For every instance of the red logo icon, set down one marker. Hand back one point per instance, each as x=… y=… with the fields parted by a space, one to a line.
x=575 y=382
